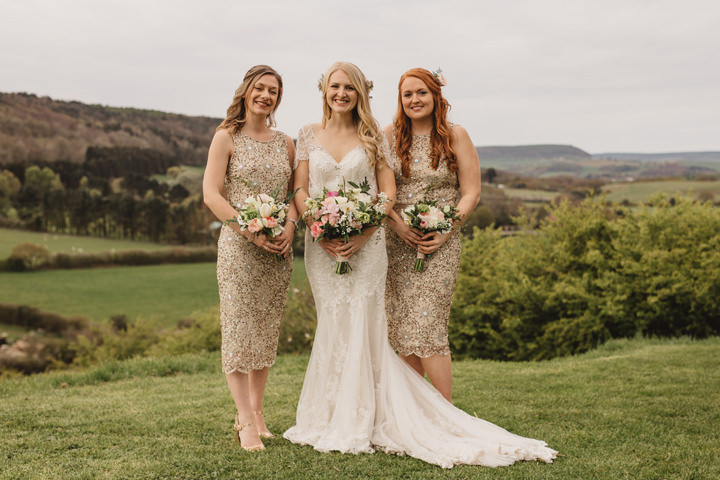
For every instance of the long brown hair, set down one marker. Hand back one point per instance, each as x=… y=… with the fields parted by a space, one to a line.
x=441 y=133
x=237 y=111
x=368 y=129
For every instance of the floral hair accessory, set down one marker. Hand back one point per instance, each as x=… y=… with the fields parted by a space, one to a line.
x=369 y=85
x=439 y=77
x=320 y=81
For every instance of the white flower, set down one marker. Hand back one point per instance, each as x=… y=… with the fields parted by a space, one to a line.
x=341 y=200
x=363 y=197
x=265 y=210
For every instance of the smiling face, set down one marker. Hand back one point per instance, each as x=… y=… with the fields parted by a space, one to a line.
x=341 y=95
x=417 y=99
x=262 y=98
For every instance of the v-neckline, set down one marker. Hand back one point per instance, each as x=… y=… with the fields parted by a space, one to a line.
x=328 y=151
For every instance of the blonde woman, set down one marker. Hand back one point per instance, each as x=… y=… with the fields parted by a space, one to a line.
x=358 y=395
x=247 y=157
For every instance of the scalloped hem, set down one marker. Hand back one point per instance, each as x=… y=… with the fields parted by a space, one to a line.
x=241 y=370
x=443 y=353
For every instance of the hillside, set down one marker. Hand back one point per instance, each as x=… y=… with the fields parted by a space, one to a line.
x=531 y=153
x=39 y=129
x=695 y=157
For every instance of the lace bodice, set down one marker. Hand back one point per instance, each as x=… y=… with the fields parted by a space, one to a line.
x=326 y=171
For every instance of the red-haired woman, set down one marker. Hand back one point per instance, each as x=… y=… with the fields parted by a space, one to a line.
x=436 y=160
x=247 y=157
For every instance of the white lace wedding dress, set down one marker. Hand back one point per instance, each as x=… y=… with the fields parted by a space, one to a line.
x=358 y=395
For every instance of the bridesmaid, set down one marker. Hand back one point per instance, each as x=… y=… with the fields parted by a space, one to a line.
x=247 y=157
x=433 y=159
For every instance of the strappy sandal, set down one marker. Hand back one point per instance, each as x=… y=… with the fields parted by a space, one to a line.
x=239 y=428
x=263 y=434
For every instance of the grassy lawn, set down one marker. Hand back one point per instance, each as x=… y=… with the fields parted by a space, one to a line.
x=640 y=409
x=166 y=293
x=641 y=191
x=9 y=238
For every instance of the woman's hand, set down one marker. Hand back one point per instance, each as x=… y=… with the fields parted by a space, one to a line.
x=430 y=242
x=409 y=235
x=331 y=246
x=264 y=242
x=355 y=243
x=285 y=239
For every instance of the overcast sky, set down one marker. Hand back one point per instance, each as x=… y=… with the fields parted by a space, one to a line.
x=603 y=75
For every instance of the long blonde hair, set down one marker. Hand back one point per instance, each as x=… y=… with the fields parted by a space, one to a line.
x=368 y=129
x=237 y=111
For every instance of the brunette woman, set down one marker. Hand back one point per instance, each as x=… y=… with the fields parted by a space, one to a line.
x=247 y=157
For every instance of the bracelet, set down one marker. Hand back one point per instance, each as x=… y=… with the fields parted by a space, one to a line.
x=293 y=221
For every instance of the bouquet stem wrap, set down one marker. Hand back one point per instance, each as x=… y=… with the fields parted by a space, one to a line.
x=342 y=266
x=420 y=262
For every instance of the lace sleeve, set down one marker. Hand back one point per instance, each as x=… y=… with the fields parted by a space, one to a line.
x=302 y=151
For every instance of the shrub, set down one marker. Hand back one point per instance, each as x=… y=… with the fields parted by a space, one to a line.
x=298 y=327
x=28 y=256
x=587 y=274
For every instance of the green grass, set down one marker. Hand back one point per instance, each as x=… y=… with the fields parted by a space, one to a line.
x=165 y=293
x=13 y=332
x=530 y=195
x=640 y=409
x=9 y=238
x=642 y=191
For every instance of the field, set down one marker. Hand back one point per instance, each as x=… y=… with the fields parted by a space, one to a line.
x=639 y=409
x=636 y=192
x=531 y=196
x=164 y=293
x=67 y=243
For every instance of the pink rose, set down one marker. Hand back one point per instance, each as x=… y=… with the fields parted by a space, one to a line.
x=332 y=194
x=316 y=229
x=334 y=218
x=269 y=222
x=255 y=225
x=423 y=224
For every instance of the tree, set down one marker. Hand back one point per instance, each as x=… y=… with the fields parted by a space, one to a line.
x=9 y=186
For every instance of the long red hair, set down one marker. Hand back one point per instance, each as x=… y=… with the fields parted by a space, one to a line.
x=441 y=132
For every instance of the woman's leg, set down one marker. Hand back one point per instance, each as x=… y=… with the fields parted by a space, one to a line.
x=414 y=361
x=439 y=370
x=258 y=379
x=240 y=391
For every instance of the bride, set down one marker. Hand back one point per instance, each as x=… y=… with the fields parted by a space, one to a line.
x=358 y=395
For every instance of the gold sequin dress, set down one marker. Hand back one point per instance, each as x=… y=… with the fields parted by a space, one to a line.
x=418 y=303
x=253 y=286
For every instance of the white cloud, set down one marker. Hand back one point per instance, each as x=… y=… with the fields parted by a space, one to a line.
x=634 y=75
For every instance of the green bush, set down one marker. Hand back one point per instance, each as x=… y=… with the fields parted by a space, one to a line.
x=298 y=327
x=27 y=257
x=587 y=274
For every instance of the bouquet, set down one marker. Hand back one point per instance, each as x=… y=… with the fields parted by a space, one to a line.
x=261 y=213
x=344 y=212
x=427 y=217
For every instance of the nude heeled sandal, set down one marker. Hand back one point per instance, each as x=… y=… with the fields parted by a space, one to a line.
x=263 y=434
x=239 y=428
